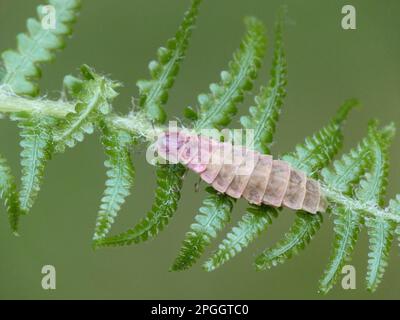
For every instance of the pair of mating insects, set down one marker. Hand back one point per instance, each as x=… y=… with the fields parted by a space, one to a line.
x=241 y=172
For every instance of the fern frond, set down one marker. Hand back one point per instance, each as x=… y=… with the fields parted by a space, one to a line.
x=218 y=107
x=373 y=187
x=37 y=46
x=348 y=221
x=169 y=183
x=213 y=216
x=93 y=95
x=348 y=172
x=347 y=227
x=154 y=92
x=381 y=234
x=302 y=231
x=264 y=115
x=348 y=169
x=372 y=190
x=9 y=194
x=120 y=178
x=37 y=148
x=251 y=225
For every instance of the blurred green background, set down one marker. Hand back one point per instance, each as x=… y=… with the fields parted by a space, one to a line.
x=326 y=65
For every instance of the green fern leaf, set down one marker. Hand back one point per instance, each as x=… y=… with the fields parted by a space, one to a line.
x=348 y=169
x=213 y=216
x=381 y=234
x=348 y=172
x=218 y=107
x=93 y=95
x=373 y=187
x=347 y=227
x=120 y=178
x=37 y=148
x=394 y=206
x=38 y=46
x=302 y=231
x=169 y=183
x=154 y=92
x=318 y=150
x=252 y=224
x=9 y=194
x=264 y=115
x=372 y=190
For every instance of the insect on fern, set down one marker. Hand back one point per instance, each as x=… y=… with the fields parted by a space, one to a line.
x=307 y=180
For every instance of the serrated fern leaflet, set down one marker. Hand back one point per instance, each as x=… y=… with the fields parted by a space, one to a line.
x=9 y=195
x=154 y=92
x=372 y=189
x=120 y=175
x=38 y=46
x=300 y=234
x=213 y=215
x=253 y=222
x=347 y=227
x=394 y=206
x=37 y=148
x=264 y=115
x=319 y=150
x=93 y=94
x=217 y=107
x=349 y=171
x=169 y=183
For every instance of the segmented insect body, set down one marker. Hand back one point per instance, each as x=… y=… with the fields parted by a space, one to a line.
x=240 y=172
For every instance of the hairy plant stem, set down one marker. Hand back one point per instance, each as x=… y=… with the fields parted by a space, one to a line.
x=11 y=103
x=358 y=206
x=138 y=124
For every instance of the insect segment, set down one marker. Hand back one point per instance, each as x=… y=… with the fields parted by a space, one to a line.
x=241 y=172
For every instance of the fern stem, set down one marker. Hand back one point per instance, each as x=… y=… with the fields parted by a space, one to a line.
x=365 y=207
x=136 y=123
x=11 y=103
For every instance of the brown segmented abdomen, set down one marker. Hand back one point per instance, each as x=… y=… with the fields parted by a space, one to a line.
x=296 y=190
x=240 y=172
x=229 y=171
x=277 y=183
x=257 y=184
x=242 y=175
